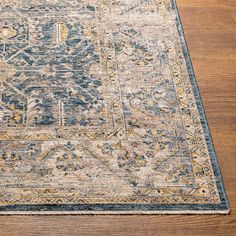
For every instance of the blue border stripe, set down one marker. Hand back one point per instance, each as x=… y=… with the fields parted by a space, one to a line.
x=152 y=207
x=199 y=102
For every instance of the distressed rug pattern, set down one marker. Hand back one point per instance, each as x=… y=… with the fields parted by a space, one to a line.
x=100 y=111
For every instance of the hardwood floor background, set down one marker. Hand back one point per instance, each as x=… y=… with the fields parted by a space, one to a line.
x=210 y=28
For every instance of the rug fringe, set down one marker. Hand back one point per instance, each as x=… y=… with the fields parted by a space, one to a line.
x=186 y=212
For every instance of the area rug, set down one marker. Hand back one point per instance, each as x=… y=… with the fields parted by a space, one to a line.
x=100 y=111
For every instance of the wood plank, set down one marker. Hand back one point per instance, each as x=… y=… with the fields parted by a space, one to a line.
x=211 y=45
x=214 y=19
x=207 y=3
x=122 y=225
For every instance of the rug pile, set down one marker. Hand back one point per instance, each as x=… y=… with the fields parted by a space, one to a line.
x=100 y=111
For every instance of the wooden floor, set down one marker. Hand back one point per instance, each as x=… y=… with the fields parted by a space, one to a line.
x=210 y=28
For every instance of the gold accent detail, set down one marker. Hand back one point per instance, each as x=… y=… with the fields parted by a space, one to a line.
x=17 y=117
x=62 y=32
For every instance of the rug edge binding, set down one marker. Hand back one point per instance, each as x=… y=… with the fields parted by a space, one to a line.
x=187 y=212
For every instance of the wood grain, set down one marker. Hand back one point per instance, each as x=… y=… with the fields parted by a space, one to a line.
x=210 y=28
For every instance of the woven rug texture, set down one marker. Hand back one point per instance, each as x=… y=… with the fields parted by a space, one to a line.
x=100 y=112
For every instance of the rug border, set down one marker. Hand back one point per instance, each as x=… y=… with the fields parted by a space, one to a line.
x=202 y=113
x=131 y=209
